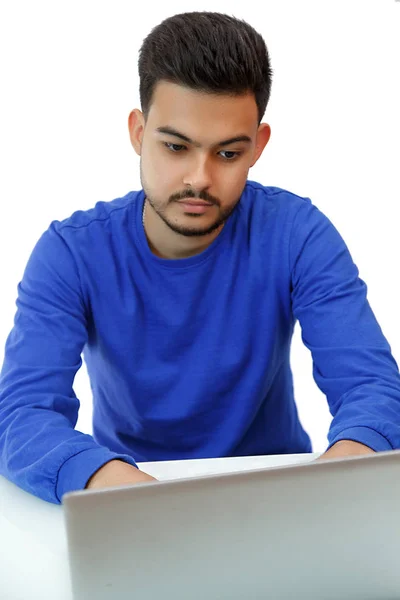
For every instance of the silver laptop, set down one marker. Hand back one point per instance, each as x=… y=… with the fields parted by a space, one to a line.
x=325 y=530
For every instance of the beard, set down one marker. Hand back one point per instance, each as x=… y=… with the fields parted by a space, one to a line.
x=160 y=207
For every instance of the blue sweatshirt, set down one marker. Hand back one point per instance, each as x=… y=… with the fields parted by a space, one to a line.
x=187 y=358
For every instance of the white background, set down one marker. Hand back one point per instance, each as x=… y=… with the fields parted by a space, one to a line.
x=69 y=80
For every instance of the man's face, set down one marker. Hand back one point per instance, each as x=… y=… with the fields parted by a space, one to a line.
x=201 y=167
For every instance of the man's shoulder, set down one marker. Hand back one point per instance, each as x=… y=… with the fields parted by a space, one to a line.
x=273 y=198
x=100 y=213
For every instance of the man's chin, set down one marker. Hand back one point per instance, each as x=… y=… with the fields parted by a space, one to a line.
x=194 y=231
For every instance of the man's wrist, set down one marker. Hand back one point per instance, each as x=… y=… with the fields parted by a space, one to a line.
x=115 y=473
x=344 y=448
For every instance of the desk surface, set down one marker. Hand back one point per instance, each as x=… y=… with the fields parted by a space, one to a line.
x=33 y=548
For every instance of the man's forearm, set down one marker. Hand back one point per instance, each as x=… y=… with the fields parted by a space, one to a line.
x=346 y=448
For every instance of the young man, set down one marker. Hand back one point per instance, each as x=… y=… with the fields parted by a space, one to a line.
x=183 y=296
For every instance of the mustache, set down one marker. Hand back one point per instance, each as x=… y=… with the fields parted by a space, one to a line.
x=191 y=194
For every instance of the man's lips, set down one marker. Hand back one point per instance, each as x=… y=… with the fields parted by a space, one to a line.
x=194 y=206
x=195 y=202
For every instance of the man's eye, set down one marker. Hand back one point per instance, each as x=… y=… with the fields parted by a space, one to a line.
x=173 y=147
x=176 y=148
x=235 y=154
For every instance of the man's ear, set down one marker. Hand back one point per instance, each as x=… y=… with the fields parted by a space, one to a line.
x=136 y=129
x=263 y=135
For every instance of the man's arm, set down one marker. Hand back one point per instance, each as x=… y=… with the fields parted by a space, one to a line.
x=346 y=448
x=40 y=450
x=352 y=361
x=116 y=473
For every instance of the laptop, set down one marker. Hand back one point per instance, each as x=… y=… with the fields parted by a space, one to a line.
x=324 y=530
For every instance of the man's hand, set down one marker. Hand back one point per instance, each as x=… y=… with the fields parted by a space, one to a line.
x=116 y=473
x=346 y=448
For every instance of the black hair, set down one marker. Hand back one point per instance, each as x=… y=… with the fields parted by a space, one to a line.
x=208 y=52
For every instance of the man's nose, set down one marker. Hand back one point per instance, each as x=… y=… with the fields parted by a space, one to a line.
x=199 y=178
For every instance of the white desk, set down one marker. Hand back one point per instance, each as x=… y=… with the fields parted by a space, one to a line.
x=33 y=546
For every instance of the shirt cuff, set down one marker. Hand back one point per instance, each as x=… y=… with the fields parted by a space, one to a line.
x=364 y=435
x=77 y=470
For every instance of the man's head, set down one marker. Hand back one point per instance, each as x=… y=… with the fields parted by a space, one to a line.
x=205 y=78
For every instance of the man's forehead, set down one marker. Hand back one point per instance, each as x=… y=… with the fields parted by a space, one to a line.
x=171 y=99
x=168 y=88
x=202 y=119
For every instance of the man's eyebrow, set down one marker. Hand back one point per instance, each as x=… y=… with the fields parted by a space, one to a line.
x=185 y=138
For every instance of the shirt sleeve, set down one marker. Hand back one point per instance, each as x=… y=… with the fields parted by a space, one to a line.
x=352 y=361
x=40 y=450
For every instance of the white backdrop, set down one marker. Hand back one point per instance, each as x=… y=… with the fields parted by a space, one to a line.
x=69 y=80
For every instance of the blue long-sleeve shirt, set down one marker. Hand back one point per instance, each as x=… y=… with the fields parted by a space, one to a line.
x=187 y=358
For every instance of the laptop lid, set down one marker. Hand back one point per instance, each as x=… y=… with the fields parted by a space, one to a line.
x=324 y=530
